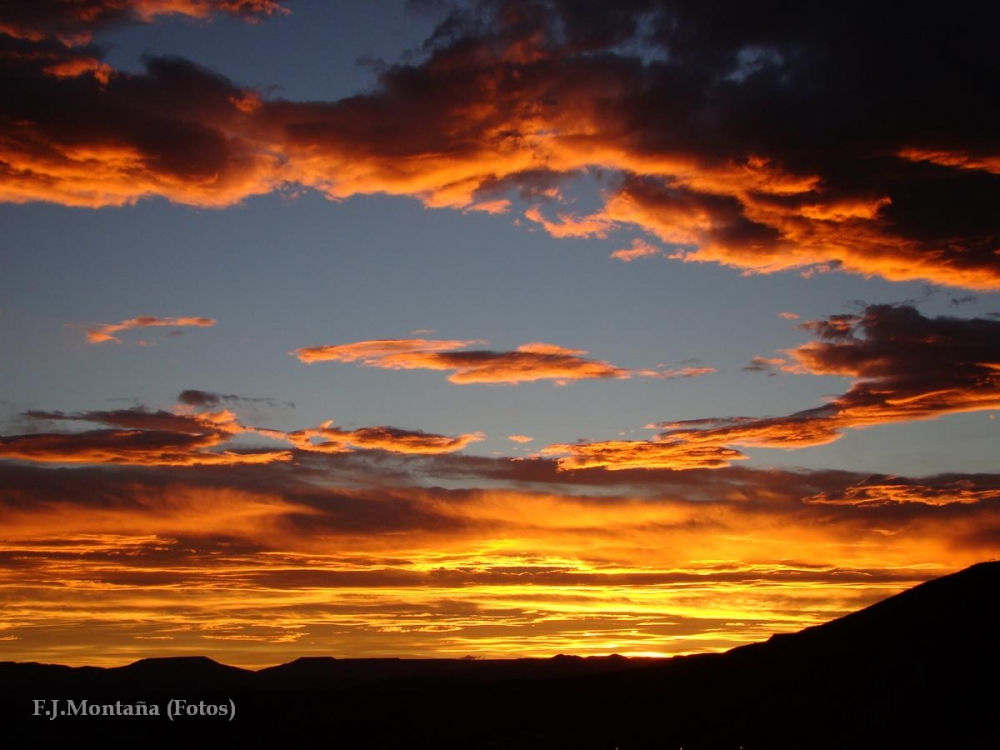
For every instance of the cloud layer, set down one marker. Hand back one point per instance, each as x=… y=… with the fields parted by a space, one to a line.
x=529 y=362
x=822 y=138
x=104 y=332
x=817 y=138
x=337 y=554
x=187 y=437
x=905 y=367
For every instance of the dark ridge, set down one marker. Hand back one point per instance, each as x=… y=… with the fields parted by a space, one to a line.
x=918 y=670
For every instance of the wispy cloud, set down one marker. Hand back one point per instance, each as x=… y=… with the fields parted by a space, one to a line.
x=104 y=332
x=770 y=365
x=639 y=249
x=528 y=362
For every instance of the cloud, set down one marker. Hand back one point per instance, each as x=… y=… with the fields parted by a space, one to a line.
x=965 y=299
x=208 y=399
x=770 y=365
x=199 y=559
x=77 y=19
x=137 y=437
x=529 y=362
x=823 y=139
x=396 y=354
x=667 y=373
x=330 y=439
x=520 y=438
x=618 y=455
x=640 y=249
x=187 y=437
x=905 y=367
x=874 y=494
x=103 y=332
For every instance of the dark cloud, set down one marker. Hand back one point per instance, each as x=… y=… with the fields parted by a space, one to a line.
x=160 y=438
x=208 y=399
x=820 y=137
x=905 y=367
x=966 y=299
x=137 y=436
x=75 y=19
x=770 y=365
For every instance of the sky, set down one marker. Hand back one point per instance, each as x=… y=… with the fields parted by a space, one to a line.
x=497 y=329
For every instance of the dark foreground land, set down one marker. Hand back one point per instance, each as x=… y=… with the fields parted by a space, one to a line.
x=918 y=670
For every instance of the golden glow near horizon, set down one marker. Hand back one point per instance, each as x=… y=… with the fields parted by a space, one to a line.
x=253 y=580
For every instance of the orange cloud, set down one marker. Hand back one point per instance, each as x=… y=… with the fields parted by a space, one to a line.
x=393 y=354
x=82 y=66
x=330 y=439
x=103 y=332
x=137 y=437
x=520 y=438
x=74 y=21
x=953 y=159
x=193 y=435
x=529 y=362
x=618 y=455
x=878 y=495
x=640 y=249
x=729 y=181
x=253 y=566
x=906 y=367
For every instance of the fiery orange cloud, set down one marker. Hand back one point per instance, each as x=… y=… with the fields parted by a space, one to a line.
x=525 y=106
x=640 y=249
x=82 y=66
x=869 y=495
x=149 y=9
x=529 y=362
x=953 y=159
x=906 y=367
x=98 y=334
x=618 y=455
x=73 y=20
x=188 y=437
x=329 y=439
x=252 y=566
x=394 y=354
x=520 y=438
x=137 y=437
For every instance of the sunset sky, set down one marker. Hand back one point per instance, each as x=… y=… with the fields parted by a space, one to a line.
x=510 y=328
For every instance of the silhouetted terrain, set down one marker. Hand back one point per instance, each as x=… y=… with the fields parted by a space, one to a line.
x=918 y=670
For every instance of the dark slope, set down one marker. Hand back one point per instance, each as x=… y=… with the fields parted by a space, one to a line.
x=918 y=670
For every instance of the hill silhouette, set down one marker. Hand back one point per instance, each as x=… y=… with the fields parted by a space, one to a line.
x=918 y=670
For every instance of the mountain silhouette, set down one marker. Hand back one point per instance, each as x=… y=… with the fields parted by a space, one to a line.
x=918 y=670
